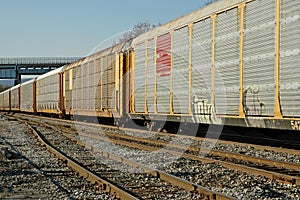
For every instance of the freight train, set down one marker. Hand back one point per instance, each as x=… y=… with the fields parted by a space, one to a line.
x=232 y=62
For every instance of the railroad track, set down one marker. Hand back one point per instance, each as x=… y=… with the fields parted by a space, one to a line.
x=143 y=183
x=28 y=171
x=157 y=136
x=193 y=154
x=288 y=167
x=277 y=170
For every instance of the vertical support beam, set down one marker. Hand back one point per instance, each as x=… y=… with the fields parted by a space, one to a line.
x=127 y=85
x=121 y=92
x=34 y=93
x=61 y=92
x=101 y=82
x=242 y=32
x=117 y=80
x=9 y=100
x=171 y=76
x=87 y=91
x=2 y=97
x=80 y=85
x=132 y=54
x=214 y=22
x=155 y=77
x=19 y=98
x=277 y=108
x=71 y=79
x=64 y=89
x=38 y=92
x=146 y=77
x=191 y=69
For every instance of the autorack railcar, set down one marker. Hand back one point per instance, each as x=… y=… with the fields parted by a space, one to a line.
x=231 y=62
x=92 y=84
x=49 y=92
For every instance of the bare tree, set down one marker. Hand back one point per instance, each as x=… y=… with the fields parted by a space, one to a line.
x=138 y=29
x=207 y=2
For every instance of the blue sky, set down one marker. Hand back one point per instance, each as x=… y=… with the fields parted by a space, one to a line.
x=75 y=27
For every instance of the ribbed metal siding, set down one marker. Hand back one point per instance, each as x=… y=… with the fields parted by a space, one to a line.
x=76 y=88
x=259 y=57
x=54 y=91
x=85 y=82
x=67 y=89
x=48 y=96
x=290 y=58
x=6 y=100
x=108 y=82
x=227 y=73
x=111 y=82
x=15 y=99
x=80 y=88
x=104 y=80
x=77 y=99
x=163 y=65
x=202 y=60
x=1 y=101
x=27 y=97
x=151 y=75
x=140 y=77
x=91 y=86
x=98 y=79
x=180 y=70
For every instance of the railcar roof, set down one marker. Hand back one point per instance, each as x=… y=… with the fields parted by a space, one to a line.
x=15 y=87
x=56 y=71
x=28 y=82
x=202 y=13
x=113 y=49
x=6 y=91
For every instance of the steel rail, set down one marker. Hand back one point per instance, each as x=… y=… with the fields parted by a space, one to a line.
x=109 y=187
x=272 y=175
x=102 y=185
x=242 y=157
x=188 y=186
x=254 y=171
x=258 y=147
x=273 y=163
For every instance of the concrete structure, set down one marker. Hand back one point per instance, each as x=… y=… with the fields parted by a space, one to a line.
x=13 y=68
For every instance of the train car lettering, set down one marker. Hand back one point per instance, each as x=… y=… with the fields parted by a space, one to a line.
x=295 y=125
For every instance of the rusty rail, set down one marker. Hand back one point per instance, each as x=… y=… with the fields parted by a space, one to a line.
x=273 y=163
x=104 y=185
x=101 y=184
x=259 y=147
x=250 y=170
x=188 y=186
x=254 y=171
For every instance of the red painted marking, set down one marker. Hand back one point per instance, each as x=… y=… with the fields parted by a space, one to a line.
x=163 y=60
